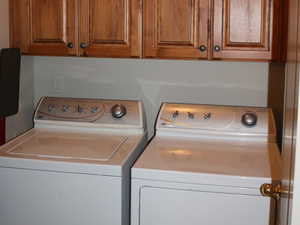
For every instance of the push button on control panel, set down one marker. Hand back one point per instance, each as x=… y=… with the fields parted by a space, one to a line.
x=51 y=107
x=65 y=108
x=94 y=109
x=191 y=115
x=175 y=114
x=207 y=115
x=80 y=109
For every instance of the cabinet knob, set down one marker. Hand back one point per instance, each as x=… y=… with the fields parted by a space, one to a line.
x=70 y=45
x=84 y=45
x=202 y=48
x=217 y=48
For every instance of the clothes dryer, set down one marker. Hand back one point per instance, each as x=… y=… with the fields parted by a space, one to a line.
x=206 y=165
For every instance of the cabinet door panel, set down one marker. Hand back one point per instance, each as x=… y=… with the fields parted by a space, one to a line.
x=105 y=27
x=110 y=28
x=52 y=27
x=175 y=28
x=54 y=31
x=242 y=29
x=248 y=17
x=19 y=24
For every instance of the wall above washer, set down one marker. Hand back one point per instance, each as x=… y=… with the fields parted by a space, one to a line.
x=153 y=81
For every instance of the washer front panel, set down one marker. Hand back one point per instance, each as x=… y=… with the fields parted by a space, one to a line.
x=95 y=112
x=35 y=197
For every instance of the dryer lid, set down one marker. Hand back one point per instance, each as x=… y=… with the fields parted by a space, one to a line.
x=190 y=160
x=69 y=146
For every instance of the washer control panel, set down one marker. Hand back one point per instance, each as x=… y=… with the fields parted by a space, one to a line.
x=95 y=111
x=216 y=118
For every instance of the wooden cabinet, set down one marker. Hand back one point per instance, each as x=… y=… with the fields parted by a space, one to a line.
x=176 y=28
x=46 y=27
x=180 y=29
x=110 y=28
x=216 y=29
x=103 y=28
x=242 y=29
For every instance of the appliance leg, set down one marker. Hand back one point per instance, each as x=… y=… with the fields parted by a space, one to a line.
x=2 y=130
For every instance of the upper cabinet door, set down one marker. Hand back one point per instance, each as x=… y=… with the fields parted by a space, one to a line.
x=47 y=26
x=242 y=29
x=110 y=28
x=176 y=28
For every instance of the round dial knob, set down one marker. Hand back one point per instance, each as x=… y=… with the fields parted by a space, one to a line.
x=249 y=119
x=118 y=111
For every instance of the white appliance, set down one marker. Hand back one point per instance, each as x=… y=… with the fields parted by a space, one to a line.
x=206 y=165
x=73 y=167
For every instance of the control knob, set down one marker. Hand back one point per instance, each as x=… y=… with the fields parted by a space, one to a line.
x=175 y=114
x=94 y=109
x=65 y=108
x=118 y=111
x=80 y=109
x=249 y=119
x=51 y=107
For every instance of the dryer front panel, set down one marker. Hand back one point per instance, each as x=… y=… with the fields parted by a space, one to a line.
x=164 y=203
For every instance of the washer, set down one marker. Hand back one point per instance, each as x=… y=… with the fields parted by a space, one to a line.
x=73 y=167
x=206 y=165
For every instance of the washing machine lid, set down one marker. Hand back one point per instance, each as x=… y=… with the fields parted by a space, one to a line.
x=67 y=151
x=66 y=145
x=190 y=160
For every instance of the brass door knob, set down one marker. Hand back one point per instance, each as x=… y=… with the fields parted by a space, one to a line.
x=272 y=191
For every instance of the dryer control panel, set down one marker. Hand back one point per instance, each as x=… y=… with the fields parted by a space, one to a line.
x=90 y=111
x=211 y=118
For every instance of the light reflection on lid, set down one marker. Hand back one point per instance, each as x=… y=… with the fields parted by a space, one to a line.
x=180 y=152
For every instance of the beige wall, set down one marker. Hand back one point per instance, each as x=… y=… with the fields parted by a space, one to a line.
x=21 y=122
x=4 y=24
x=153 y=81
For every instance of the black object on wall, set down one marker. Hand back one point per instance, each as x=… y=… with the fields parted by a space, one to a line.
x=10 y=59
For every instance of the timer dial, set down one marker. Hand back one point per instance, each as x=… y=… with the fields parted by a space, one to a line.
x=249 y=119
x=118 y=111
